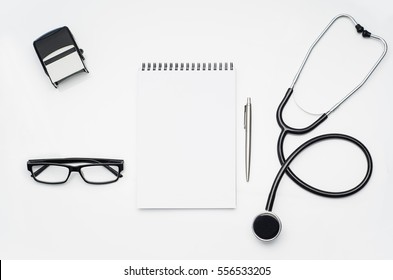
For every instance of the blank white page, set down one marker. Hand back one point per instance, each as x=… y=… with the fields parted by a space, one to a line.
x=186 y=139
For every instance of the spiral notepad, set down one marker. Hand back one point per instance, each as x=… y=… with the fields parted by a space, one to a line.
x=186 y=135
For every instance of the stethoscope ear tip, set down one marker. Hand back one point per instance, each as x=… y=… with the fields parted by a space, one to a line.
x=266 y=226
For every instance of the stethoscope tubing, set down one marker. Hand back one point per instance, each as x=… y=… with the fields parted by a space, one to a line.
x=286 y=170
x=285 y=129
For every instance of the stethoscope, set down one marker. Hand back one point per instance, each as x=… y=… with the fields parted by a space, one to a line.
x=267 y=226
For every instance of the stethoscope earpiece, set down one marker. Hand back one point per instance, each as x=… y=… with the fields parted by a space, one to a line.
x=266 y=226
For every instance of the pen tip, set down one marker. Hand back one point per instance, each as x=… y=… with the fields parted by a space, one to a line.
x=248 y=100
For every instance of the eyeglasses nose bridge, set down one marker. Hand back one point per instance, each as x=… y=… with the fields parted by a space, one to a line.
x=75 y=168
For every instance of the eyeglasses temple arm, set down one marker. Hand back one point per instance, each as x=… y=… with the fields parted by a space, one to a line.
x=113 y=171
x=39 y=171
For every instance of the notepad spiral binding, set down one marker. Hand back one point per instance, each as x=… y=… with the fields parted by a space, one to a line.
x=187 y=66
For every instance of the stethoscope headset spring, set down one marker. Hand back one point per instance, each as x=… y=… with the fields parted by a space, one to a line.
x=267 y=226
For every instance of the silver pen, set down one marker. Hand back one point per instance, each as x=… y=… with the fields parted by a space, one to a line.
x=247 y=127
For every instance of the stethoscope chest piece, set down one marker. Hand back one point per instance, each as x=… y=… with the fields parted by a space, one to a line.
x=266 y=226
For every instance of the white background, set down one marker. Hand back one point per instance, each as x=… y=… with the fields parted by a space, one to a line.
x=93 y=115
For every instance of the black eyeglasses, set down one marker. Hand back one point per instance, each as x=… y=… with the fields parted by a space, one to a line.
x=92 y=170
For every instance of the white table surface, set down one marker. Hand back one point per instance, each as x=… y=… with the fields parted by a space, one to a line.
x=93 y=115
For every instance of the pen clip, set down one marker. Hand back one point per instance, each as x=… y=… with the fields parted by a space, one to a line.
x=245 y=116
